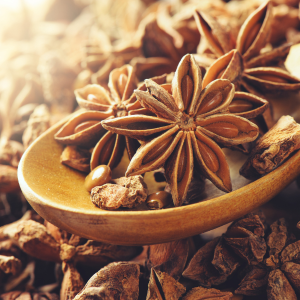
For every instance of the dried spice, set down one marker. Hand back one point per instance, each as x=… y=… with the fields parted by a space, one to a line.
x=163 y=286
x=203 y=293
x=279 y=273
x=247 y=66
x=39 y=122
x=169 y=258
x=76 y=158
x=115 y=281
x=273 y=148
x=85 y=129
x=127 y=192
x=212 y=264
x=186 y=124
x=246 y=238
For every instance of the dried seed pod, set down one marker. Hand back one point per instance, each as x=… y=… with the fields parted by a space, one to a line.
x=163 y=286
x=203 y=293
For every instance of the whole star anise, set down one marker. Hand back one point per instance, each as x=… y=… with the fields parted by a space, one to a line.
x=85 y=129
x=242 y=61
x=188 y=125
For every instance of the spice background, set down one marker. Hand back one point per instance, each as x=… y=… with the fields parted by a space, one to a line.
x=49 y=50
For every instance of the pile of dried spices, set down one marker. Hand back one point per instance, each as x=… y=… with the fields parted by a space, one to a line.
x=173 y=83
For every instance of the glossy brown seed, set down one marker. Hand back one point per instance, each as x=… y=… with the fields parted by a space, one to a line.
x=155 y=152
x=211 y=101
x=251 y=36
x=209 y=157
x=159 y=200
x=273 y=78
x=92 y=98
x=182 y=164
x=224 y=129
x=107 y=151
x=187 y=89
x=122 y=83
x=240 y=105
x=99 y=176
x=85 y=125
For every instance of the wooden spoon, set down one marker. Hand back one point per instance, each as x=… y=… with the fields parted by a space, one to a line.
x=57 y=193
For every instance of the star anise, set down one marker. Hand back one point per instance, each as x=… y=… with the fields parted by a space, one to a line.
x=85 y=129
x=188 y=125
x=280 y=271
x=242 y=61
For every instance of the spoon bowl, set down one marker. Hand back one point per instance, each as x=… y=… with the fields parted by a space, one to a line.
x=57 y=193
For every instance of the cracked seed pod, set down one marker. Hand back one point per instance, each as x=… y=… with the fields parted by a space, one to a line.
x=163 y=286
x=189 y=124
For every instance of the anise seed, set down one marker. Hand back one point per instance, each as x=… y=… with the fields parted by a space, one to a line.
x=122 y=81
x=187 y=88
x=209 y=157
x=99 y=176
x=240 y=105
x=224 y=129
x=107 y=150
x=210 y=103
x=251 y=36
x=85 y=125
x=155 y=152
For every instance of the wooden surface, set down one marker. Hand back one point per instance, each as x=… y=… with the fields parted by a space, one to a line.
x=57 y=193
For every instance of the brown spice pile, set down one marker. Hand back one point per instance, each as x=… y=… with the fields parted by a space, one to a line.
x=119 y=57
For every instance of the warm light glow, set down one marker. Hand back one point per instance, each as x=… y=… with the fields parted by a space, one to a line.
x=17 y=4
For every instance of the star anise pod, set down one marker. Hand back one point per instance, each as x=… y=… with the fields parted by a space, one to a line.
x=242 y=61
x=85 y=129
x=188 y=125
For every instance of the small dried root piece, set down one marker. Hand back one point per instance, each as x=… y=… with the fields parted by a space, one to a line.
x=127 y=192
x=273 y=148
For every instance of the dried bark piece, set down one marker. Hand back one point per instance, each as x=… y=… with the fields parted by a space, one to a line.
x=254 y=283
x=72 y=283
x=273 y=148
x=200 y=293
x=38 y=123
x=10 y=264
x=8 y=179
x=127 y=192
x=76 y=158
x=33 y=238
x=169 y=258
x=279 y=288
x=163 y=286
x=201 y=269
x=115 y=281
x=276 y=241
